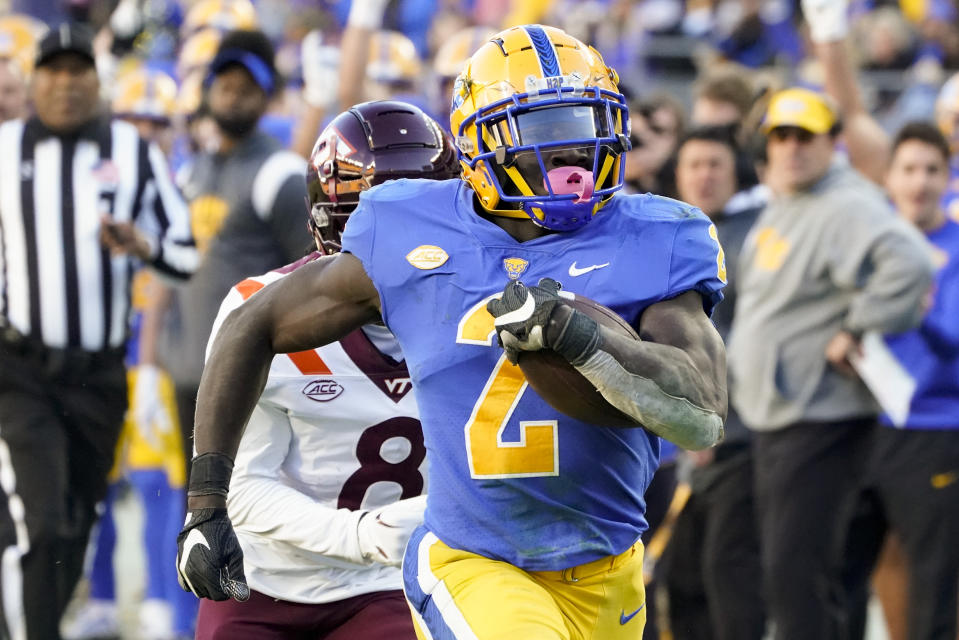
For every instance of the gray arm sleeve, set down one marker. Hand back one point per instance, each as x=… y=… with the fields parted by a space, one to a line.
x=279 y=198
x=675 y=419
x=288 y=218
x=892 y=269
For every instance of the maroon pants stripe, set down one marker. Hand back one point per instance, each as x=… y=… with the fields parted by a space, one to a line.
x=382 y=614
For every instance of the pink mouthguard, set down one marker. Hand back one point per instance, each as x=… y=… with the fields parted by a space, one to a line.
x=576 y=180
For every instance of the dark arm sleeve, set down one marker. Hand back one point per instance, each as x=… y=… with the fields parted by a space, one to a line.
x=279 y=199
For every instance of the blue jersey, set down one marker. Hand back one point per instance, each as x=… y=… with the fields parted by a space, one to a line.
x=510 y=477
x=950 y=199
x=930 y=353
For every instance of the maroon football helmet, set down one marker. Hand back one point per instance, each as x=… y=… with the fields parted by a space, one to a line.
x=371 y=143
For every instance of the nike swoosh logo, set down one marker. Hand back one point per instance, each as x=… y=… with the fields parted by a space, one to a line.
x=194 y=538
x=623 y=618
x=574 y=271
x=519 y=315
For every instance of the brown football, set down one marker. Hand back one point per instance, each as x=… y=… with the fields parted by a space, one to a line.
x=563 y=387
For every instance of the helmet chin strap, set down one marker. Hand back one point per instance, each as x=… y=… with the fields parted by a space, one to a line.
x=564 y=215
x=566 y=180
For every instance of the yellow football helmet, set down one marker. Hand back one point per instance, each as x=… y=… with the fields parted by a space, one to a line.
x=145 y=93
x=224 y=15
x=393 y=59
x=19 y=35
x=540 y=126
x=198 y=50
x=190 y=97
x=449 y=60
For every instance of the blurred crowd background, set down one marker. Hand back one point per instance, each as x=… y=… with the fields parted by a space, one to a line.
x=904 y=49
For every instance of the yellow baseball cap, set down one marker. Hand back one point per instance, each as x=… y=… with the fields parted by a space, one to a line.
x=797 y=107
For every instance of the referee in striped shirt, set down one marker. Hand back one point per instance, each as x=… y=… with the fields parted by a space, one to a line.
x=82 y=199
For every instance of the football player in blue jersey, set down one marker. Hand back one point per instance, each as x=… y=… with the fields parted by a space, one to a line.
x=534 y=518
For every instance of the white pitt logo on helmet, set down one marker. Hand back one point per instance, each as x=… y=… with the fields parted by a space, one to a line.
x=427 y=256
x=551 y=83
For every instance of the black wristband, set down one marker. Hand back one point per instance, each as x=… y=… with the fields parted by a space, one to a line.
x=576 y=339
x=210 y=475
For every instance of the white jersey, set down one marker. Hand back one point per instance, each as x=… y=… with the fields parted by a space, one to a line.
x=335 y=431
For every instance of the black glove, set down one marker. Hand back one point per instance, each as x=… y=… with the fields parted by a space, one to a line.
x=522 y=316
x=209 y=561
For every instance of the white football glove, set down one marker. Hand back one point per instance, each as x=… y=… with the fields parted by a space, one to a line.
x=828 y=20
x=367 y=14
x=384 y=532
x=127 y=19
x=149 y=414
x=320 y=64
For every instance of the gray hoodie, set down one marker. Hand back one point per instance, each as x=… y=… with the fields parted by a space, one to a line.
x=832 y=257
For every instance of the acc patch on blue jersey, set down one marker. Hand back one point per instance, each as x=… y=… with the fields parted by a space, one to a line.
x=427 y=256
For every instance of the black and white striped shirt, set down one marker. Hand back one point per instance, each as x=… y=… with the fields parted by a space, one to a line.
x=58 y=284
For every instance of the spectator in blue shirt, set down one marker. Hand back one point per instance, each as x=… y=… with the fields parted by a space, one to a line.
x=912 y=482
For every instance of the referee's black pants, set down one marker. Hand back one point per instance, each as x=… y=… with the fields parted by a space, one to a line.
x=60 y=417
x=807 y=483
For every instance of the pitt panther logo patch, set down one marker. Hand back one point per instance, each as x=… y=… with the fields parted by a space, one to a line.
x=515 y=267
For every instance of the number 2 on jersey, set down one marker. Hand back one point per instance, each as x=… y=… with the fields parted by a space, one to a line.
x=720 y=254
x=537 y=451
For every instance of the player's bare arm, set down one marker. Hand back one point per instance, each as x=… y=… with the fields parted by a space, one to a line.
x=309 y=304
x=316 y=304
x=673 y=381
